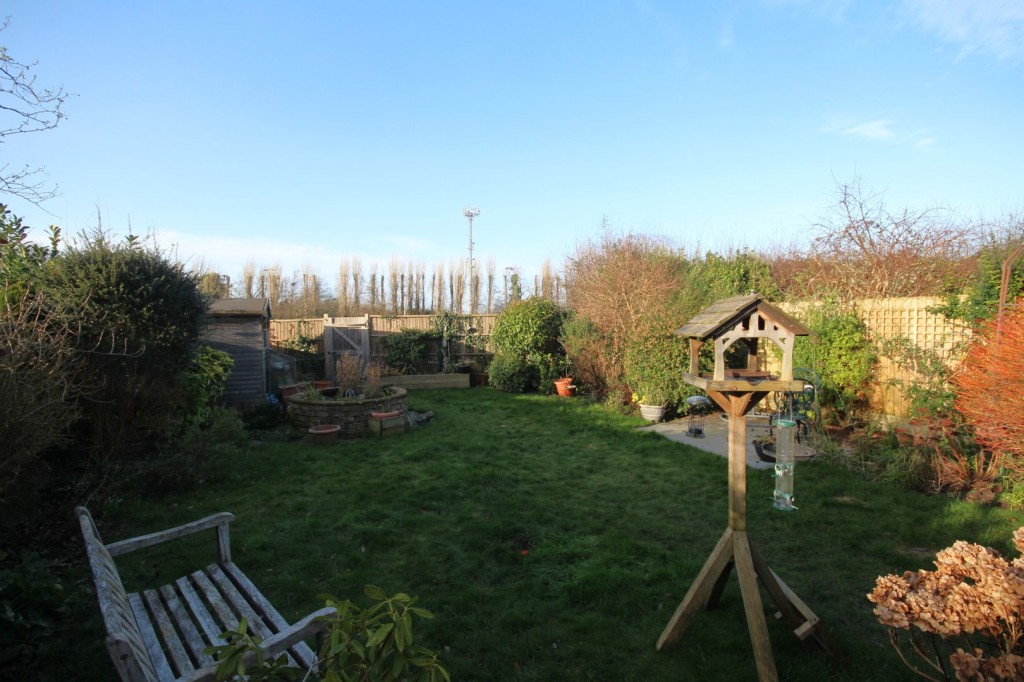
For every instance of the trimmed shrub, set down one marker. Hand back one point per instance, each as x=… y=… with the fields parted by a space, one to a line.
x=137 y=318
x=513 y=375
x=407 y=350
x=655 y=363
x=527 y=353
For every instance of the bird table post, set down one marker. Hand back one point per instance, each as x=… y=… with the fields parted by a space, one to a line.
x=744 y=319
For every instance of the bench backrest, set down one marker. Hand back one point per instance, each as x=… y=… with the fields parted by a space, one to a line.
x=124 y=640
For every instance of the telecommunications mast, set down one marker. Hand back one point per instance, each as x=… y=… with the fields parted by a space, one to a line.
x=471 y=213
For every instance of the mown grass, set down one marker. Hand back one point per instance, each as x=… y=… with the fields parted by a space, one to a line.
x=552 y=540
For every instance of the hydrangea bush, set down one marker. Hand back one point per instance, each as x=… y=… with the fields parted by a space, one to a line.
x=961 y=621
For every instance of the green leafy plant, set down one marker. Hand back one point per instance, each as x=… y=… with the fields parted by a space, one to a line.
x=655 y=364
x=20 y=259
x=458 y=330
x=513 y=375
x=588 y=353
x=407 y=350
x=32 y=600
x=929 y=389
x=526 y=344
x=376 y=643
x=137 y=316
x=842 y=354
x=303 y=347
x=205 y=382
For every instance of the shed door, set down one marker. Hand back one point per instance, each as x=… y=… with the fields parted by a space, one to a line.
x=348 y=336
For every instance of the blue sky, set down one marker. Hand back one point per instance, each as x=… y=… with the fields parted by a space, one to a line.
x=308 y=132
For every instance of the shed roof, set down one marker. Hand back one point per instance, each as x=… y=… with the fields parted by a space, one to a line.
x=722 y=315
x=241 y=307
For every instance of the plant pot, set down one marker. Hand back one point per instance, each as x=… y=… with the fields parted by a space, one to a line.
x=564 y=387
x=765 y=450
x=324 y=433
x=653 y=413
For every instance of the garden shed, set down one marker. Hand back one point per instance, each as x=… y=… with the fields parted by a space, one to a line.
x=239 y=327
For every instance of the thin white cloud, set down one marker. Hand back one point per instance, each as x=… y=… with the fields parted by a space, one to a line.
x=994 y=27
x=871 y=130
x=228 y=255
x=880 y=130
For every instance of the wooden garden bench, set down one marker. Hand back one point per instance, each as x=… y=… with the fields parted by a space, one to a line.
x=159 y=634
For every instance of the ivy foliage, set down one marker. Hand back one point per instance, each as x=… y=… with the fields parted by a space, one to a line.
x=407 y=350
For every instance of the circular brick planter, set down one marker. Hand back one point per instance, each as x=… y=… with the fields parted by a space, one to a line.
x=349 y=414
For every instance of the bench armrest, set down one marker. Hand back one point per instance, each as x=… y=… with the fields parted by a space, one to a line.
x=318 y=621
x=276 y=644
x=219 y=521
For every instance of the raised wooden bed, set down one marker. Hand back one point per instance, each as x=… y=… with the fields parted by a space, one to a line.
x=351 y=415
x=427 y=381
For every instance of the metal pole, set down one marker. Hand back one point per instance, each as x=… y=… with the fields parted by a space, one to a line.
x=471 y=213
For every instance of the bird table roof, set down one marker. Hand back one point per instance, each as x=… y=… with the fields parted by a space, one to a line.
x=723 y=315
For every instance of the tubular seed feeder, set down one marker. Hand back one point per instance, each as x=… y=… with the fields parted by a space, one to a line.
x=743 y=320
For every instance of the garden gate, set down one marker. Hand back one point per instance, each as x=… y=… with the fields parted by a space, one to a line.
x=345 y=336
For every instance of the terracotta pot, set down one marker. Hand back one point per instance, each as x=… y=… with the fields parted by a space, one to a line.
x=324 y=433
x=564 y=387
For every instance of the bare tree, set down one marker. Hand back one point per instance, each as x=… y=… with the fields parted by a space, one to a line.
x=342 y=290
x=491 y=269
x=27 y=108
x=457 y=284
x=438 y=287
x=274 y=284
x=620 y=282
x=394 y=268
x=38 y=379
x=547 y=281
x=375 y=293
x=357 y=284
x=311 y=293
x=249 y=279
x=862 y=250
x=421 y=273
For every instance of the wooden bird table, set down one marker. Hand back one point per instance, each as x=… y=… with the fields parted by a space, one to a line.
x=737 y=396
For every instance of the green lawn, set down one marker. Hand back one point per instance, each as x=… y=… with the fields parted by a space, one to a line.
x=614 y=522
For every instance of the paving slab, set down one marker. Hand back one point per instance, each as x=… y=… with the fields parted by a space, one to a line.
x=716 y=436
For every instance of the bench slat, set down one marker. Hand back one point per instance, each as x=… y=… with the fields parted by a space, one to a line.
x=227 y=619
x=172 y=644
x=301 y=651
x=211 y=631
x=239 y=603
x=186 y=626
x=156 y=653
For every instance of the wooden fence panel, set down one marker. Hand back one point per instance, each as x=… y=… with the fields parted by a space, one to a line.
x=379 y=326
x=283 y=331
